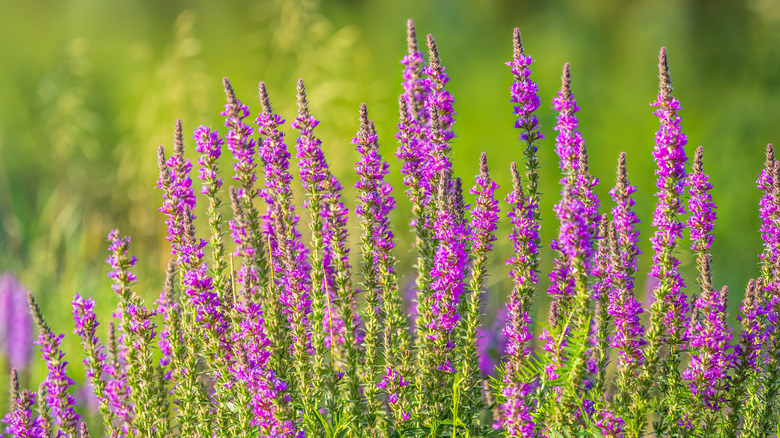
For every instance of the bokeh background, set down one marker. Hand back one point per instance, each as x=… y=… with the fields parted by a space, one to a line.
x=89 y=88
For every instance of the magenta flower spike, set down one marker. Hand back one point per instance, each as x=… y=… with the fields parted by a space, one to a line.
x=623 y=306
x=769 y=212
x=708 y=334
x=58 y=401
x=288 y=254
x=448 y=273
x=670 y=159
x=438 y=130
x=416 y=88
x=413 y=149
x=21 y=421
x=577 y=210
x=515 y=415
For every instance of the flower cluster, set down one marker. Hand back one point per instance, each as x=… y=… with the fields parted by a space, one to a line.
x=273 y=336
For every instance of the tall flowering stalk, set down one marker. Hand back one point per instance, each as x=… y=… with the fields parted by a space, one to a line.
x=746 y=355
x=209 y=145
x=95 y=357
x=379 y=280
x=484 y=220
x=288 y=255
x=769 y=211
x=516 y=410
x=277 y=194
x=314 y=173
x=245 y=227
x=764 y=387
x=138 y=332
x=668 y=313
x=448 y=273
x=21 y=422
x=623 y=307
x=573 y=233
x=578 y=218
x=524 y=217
x=524 y=92
x=708 y=335
x=60 y=403
x=178 y=205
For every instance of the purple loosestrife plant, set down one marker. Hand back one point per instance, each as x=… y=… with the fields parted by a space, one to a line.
x=289 y=256
x=21 y=421
x=524 y=217
x=515 y=415
x=58 y=400
x=578 y=220
x=138 y=332
x=314 y=174
x=178 y=205
x=447 y=287
x=278 y=195
x=380 y=280
x=95 y=357
x=623 y=307
x=279 y=342
x=668 y=316
x=708 y=333
x=484 y=221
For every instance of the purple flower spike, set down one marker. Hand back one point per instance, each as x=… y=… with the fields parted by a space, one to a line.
x=20 y=421
x=416 y=88
x=485 y=212
x=239 y=142
x=438 y=130
x=708 y=334
x=670 y=159
x=57 y=382
x=515 y=412
x=209 y=144
x=178 y=196
x=569 y=141
x=524 y=93
x=289 y=255
x=577 y=211
x=702 y=219
x=623 y=306
x=448 y=270
x=16 y=337
x=769 y=210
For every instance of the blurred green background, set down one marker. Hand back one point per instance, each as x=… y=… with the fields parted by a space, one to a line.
x=89 y=88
